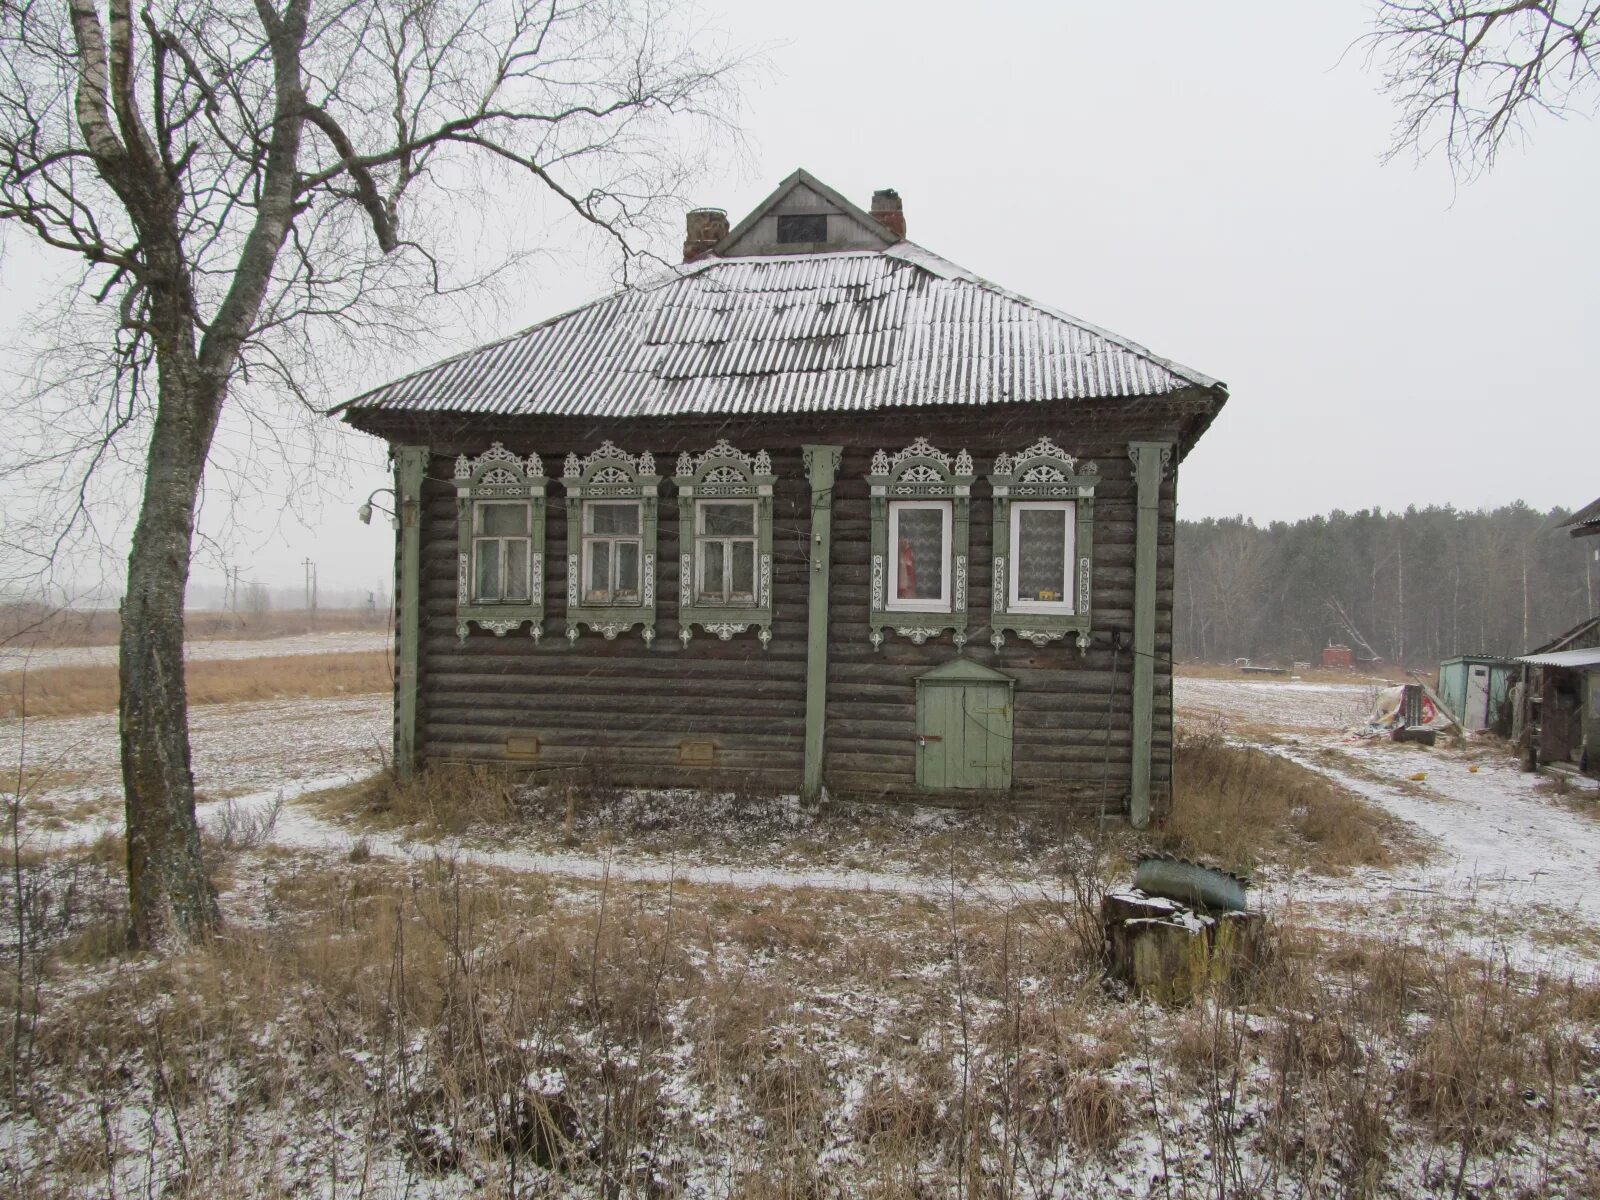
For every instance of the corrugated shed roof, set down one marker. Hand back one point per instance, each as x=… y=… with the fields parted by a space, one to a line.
x=1585 y=521
x=1564 y=658
x=846 y=331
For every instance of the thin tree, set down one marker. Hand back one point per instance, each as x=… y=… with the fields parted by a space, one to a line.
x=242 y=180
x=1469 y=75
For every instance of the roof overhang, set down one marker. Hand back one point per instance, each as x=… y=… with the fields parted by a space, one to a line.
x=1580 y=660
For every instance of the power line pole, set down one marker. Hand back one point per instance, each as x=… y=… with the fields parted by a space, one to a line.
x=311 y=585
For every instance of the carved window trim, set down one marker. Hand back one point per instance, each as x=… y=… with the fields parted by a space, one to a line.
x=499 y=476
x=920 y=472
x=610 y=473
x=1043 y=472
x=719 y=474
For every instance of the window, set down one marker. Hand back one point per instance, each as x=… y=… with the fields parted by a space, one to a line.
x=1043 y=546
x=611 y=552
x=919 y=559
x=611 y=543
x=796 y=228
x=725 y=542
x=921 y=502
x=500 y=509
x=726 y=547
x=1041 y=554
x=500 y=552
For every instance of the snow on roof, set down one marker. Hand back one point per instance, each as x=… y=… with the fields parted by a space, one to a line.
x=1589 y=657
x=793 y=333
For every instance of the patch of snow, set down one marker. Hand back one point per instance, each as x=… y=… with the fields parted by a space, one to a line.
x=343 y=641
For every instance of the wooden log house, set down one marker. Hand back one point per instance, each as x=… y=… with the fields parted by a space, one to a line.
x=817 y=511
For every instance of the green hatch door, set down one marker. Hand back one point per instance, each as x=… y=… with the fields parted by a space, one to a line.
x=964 y=728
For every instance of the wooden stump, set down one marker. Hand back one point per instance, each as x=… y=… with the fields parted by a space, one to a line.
x=1171 y=953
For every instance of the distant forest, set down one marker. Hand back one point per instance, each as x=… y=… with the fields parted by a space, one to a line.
x=1411 y=587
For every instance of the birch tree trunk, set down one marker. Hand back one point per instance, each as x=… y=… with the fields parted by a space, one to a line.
x=168 y=888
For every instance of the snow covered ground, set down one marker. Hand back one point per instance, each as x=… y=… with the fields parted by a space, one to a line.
x=264 y=746
x=1513 y=870
x=1287 y=704
x=1512 y=878
x=344 y=641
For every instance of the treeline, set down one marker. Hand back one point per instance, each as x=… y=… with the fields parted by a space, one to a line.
x=1411 y=587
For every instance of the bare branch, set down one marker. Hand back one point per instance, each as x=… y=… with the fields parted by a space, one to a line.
x=1469 y=75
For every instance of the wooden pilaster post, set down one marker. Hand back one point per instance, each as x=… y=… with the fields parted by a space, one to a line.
x=821 y=464
x=410 y=467
x=1149 y=463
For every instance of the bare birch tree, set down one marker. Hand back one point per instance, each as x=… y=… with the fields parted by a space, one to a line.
x=1468 y=75
x=239 y=177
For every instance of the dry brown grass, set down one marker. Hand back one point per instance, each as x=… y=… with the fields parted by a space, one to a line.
x=1243 y=808
x=35 y=625
x=1585 y=801
x=571 y=810
x=74 y=691
x=384 y=1029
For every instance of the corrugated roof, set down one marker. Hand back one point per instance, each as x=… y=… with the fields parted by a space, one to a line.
x=1585 y=521
x=1564 y=658
x=854 y=330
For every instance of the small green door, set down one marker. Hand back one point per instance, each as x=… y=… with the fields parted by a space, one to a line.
x=964 y=728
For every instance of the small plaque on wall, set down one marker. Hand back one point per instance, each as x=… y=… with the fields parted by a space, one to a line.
x=697 y=753
x=522 y=745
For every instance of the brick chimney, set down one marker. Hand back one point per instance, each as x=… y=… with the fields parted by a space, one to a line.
x=886 y=208
x=703 y=229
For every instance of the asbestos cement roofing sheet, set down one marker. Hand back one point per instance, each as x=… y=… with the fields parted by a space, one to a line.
x=853 y=330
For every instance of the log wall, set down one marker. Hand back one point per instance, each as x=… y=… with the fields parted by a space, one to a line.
x=623 y=709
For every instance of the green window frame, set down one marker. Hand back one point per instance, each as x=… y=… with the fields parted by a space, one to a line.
x=500 y=518
x=918 y=494
x=1033 y=483
x=717 y=546
x=601 y=542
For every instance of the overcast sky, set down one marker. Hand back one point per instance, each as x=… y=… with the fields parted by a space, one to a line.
x=1204 y=179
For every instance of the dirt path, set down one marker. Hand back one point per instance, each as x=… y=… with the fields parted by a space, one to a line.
x=1511 y=869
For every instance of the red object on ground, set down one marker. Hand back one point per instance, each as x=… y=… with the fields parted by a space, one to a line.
x=1338 y=657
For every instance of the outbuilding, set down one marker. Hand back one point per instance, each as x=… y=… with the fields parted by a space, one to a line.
x=1476 y=689
x=816 y=510
x=1559 y=706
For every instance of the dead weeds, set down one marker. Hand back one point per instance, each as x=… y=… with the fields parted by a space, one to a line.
x=74 y=691
x=1243 y=808
x=374 y=1025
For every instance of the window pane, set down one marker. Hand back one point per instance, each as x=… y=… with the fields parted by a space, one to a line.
x=921 y=554
x=728 y=520
x=598 y=590
x=802 y=227
x=712 y=559
x=614 y=518
x=743 y=558
x=486 y=578
x=516 y=568
x=1042 y=554
x=627 y=573
x=501 y=520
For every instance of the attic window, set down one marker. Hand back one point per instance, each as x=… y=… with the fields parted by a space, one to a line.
x=797 y=228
